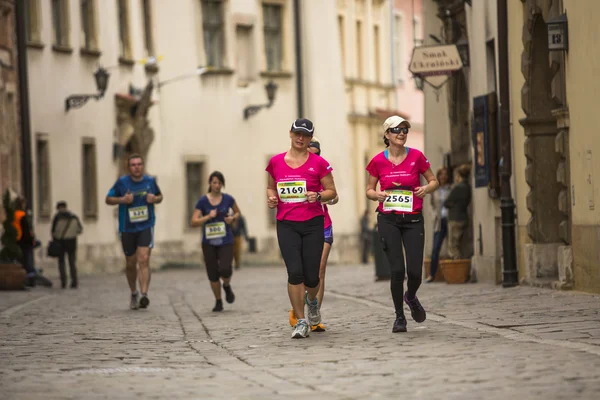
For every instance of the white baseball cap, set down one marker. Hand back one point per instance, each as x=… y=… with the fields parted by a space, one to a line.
x=393 y=122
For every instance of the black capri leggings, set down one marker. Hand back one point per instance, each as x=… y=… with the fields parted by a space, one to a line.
x=395 y=231
x=301 y=245
x=218 y=260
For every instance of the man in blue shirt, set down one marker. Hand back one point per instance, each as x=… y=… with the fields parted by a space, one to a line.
x=136 y=194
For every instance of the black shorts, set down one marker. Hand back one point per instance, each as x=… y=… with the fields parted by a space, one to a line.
x=132 y=240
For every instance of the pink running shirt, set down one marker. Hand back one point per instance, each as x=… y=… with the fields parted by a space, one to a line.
x=293 y=183
x=328 y=221
x=402 y=179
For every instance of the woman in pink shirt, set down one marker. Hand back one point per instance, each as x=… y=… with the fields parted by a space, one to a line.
x=398 y=170
x=298 y=182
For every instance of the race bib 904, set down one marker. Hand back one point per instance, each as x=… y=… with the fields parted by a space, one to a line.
x=398 y=200
x=138 y=214
x=292 y=191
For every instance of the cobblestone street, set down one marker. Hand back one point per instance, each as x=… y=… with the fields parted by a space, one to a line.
x=479 y=341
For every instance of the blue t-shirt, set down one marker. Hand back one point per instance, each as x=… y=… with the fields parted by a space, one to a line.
x=216 y=231
x=139 y=215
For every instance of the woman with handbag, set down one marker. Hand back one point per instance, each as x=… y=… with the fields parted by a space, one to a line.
x=66 y=226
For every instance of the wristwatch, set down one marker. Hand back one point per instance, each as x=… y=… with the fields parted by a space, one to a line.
x=319 y=196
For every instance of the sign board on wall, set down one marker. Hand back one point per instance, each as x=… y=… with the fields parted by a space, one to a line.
x=435 y=63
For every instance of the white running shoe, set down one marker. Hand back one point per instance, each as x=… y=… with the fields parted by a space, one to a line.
x=314 y=314
x=301 y=330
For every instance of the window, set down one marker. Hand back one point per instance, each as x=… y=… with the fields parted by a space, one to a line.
x=195 y=186
x=89 y=179
x=124 y=38
x=418 y=31
x=148 y=39
x=359 y=53
x=88 y=25
x=377 y=53
x=212 y=25
x=399 y=39
x=273 y=36
x=32 y=21
x=341 y=30
x=42 y=152
x=245 y=54
x=60 y=23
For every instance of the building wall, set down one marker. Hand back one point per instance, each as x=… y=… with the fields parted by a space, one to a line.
x=582 y=64
x=10 y=128
x=407 y=33
x=482 y=17
x=194 y=118
x=55 y=73
x=369 y=86
x=517 y=80
x=436 y=116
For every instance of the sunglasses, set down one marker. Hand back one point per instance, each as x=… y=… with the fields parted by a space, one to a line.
x=398 y=129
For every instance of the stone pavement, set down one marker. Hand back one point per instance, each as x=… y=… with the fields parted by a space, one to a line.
x=479 y=341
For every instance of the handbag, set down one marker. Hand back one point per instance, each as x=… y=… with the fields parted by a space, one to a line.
x=54 y=247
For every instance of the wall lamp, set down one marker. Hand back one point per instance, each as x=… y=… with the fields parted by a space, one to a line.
x=78 y=100
x=271 y=89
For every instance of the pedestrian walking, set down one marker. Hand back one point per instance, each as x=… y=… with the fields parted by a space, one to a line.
x=212 y=213
x=457 y=204
x=239 y=231
x=315 y=147
x=25 y=239
x=398 y=170
x=298 y=182
x=136 y=194
x=366 y=236
x=440 y=223
x=66 y=226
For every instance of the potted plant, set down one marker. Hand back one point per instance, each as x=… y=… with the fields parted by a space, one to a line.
x=12 y=274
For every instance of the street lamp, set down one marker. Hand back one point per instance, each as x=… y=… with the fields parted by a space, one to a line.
x=419 y=82
x=463 y=50
x=78 y=100
x=271 y=89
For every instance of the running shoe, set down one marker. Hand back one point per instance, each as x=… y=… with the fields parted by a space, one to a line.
x=314 y=314
x=229 y=296
x=293 y=319
x=399 y=323
x=318 y=328
x=301 y=330
x=144 y=301
x=416 y=309
x=218 y=306
x=134 y=301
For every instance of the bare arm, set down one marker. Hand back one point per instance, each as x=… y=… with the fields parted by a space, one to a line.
x=432 y=184
x=113 y=201
x=272 y=198
x=236 y=214
x=198 y=219
x=329 y=192
x=332 y=201
x=372 y=193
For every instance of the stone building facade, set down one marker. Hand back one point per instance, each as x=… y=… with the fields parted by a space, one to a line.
x=10 y=127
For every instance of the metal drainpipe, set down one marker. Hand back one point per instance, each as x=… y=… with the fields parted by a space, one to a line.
x=299 y=72
x=507 y=204
x=27 y=178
